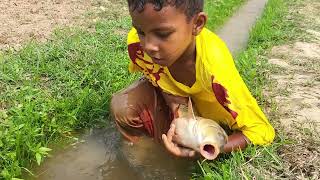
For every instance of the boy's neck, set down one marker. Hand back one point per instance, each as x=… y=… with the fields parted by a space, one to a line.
x=188 y=58
x=184 y=70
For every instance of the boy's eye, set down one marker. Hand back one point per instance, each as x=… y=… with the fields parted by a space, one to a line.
x=163 y=35
x=140 y=33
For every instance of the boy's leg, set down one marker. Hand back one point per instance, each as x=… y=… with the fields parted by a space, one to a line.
x=140 y=110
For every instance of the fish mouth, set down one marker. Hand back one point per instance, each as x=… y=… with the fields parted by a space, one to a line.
x=209 y=151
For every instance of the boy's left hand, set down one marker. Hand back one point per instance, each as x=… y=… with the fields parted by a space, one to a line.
x=173 y=147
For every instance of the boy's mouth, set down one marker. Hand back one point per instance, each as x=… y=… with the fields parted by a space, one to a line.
x=157 y=60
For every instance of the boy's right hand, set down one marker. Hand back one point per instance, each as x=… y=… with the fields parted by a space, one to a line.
x=169 y=139
x=174 y=101
x=173 y=147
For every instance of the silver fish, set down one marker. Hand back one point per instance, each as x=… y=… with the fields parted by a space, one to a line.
x=200 y=134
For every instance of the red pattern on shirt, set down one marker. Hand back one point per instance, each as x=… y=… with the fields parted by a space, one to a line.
x=222 y=95
x=136 y=52
x=156 y=75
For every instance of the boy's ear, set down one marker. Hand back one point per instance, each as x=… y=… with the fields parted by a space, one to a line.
x=199 y=21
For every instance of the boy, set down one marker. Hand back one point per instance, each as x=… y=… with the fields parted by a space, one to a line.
x=179 y=58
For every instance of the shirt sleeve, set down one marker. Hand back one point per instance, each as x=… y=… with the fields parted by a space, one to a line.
x=233 y=95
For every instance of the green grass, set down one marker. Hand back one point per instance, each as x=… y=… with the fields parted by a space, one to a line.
x=256 y=162
x=219 y=10
x=50 y=90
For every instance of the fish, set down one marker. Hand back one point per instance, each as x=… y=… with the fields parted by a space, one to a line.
x=198 y=133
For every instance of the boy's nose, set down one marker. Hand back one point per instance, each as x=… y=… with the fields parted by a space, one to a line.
x=150 y=46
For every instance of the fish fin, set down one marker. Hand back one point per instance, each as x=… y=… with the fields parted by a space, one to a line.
x=190 y=110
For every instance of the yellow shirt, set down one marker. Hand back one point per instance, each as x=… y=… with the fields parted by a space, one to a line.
x=218 y=93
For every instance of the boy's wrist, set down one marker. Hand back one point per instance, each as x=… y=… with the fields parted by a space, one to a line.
x=235 y=142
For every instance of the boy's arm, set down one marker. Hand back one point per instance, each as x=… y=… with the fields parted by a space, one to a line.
x=235 y=142
x=232 y=94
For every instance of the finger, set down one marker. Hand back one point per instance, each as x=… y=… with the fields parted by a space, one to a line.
x=176 y=138
x=170 y=133
x=192 y=153
x=167 y=143
x=185 y=152
x=165 y=140
x=170 y=146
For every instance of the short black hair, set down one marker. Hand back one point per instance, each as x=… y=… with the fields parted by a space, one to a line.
x=190 y=7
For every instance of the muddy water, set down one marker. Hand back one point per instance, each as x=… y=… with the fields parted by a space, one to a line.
x=235 y=32
x=103 y=156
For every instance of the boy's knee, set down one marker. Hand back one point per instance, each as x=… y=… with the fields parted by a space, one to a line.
x=117 y=106
x=126 y=118
x=124 y=115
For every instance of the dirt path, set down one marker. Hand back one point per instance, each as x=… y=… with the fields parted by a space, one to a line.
x=296 y=76
x=24 y=20
x=235 y=32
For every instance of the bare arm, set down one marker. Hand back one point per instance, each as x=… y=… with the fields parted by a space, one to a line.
x=235 y=142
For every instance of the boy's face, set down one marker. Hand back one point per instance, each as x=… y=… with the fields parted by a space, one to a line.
x=165 y=35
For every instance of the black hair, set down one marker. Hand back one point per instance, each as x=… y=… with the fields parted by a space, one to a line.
x=190 y=7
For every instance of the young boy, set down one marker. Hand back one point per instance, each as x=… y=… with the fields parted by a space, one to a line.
x=179 y=58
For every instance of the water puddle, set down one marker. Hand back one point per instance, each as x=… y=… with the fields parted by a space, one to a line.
x=104 y=156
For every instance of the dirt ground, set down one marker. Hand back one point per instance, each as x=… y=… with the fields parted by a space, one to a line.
x=296 y=76
x=25 y=20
